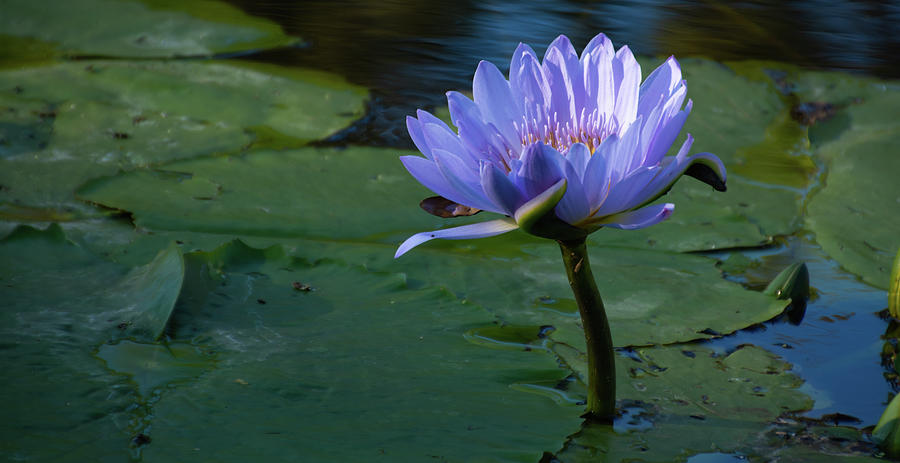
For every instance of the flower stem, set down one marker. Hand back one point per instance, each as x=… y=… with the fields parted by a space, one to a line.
x=601 y=402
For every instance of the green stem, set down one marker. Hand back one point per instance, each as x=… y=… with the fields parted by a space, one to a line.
x=601 y=402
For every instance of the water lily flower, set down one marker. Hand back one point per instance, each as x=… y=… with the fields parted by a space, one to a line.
x=563 y=147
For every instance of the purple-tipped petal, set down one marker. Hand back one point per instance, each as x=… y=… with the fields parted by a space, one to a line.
x=562 y=100
x=620 y=154
x=427 y=173
x=599 y=45
x=579 y=155
x=597 y=77
x=464 y=179
x=641 y=218
x=439 y=138
x=666 y=135
x=573 y=206
x=528 y=83
x=561 y=55
x=414 y=127
x=477 y=230
x=596 y=176
x=628 y=193
x=627 y=78
x=499 y=189
x=494 y=98
x=659 y=84
x=461 y=107
x=542 y=166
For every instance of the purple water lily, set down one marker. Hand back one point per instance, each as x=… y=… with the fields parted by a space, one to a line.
x=566 y=146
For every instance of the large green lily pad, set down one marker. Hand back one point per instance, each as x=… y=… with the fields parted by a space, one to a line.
x=140 y=29
x=683 y=392
x=856 y=212
x=314 y=192
x=62 y=125
x=305 y=369
x=651 y=297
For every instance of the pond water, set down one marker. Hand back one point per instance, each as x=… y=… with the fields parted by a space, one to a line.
x=200 y=203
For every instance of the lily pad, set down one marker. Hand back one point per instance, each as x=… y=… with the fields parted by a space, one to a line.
x=317 y=365
x=141 y=29
x=46 y=278
x=651 y=297
x=856 y=212
x=313 y=192
x=62 y=125
x=59 y=303
x=684 y=392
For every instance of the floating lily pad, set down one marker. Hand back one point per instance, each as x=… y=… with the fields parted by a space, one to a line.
x=62 y=125
x=59 y=303
x=651 y=297
x=341 y=194
x=357 y=350
x=856 y=213
x=148 y=29
x=48 y=278
x=684 y=392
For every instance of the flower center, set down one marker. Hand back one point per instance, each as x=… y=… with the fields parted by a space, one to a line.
x=590 y=129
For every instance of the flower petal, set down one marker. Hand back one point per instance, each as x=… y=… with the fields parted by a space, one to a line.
x=596 y=176
x=596 y=62
x=494 y=97
x=477 y=230
x=464 y=179
x=499 y=189
x=441 y=138
x=427 y=173
x=659 y=84
x=627 y=77
x=645 y=217
x=542 y=166
x=579 y=155
x=532 y=211
x=622 y=151
x=706 y=167
x=666 y=135
x=414 y=127
x=530 y=87
x=573 y=207
x=564 y=74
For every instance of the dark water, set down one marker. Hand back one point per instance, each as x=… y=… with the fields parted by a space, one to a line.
x=409 y=52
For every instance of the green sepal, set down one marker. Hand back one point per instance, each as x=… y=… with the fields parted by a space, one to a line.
x=528 y=215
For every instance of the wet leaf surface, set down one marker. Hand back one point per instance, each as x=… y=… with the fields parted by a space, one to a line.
x=64 y=124
x=141 y=29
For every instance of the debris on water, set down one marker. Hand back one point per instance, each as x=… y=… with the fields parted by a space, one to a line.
x=811 y=112
x=302 y=287
x=141 y=439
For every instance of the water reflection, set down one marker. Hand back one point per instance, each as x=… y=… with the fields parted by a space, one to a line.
x=411 y=51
